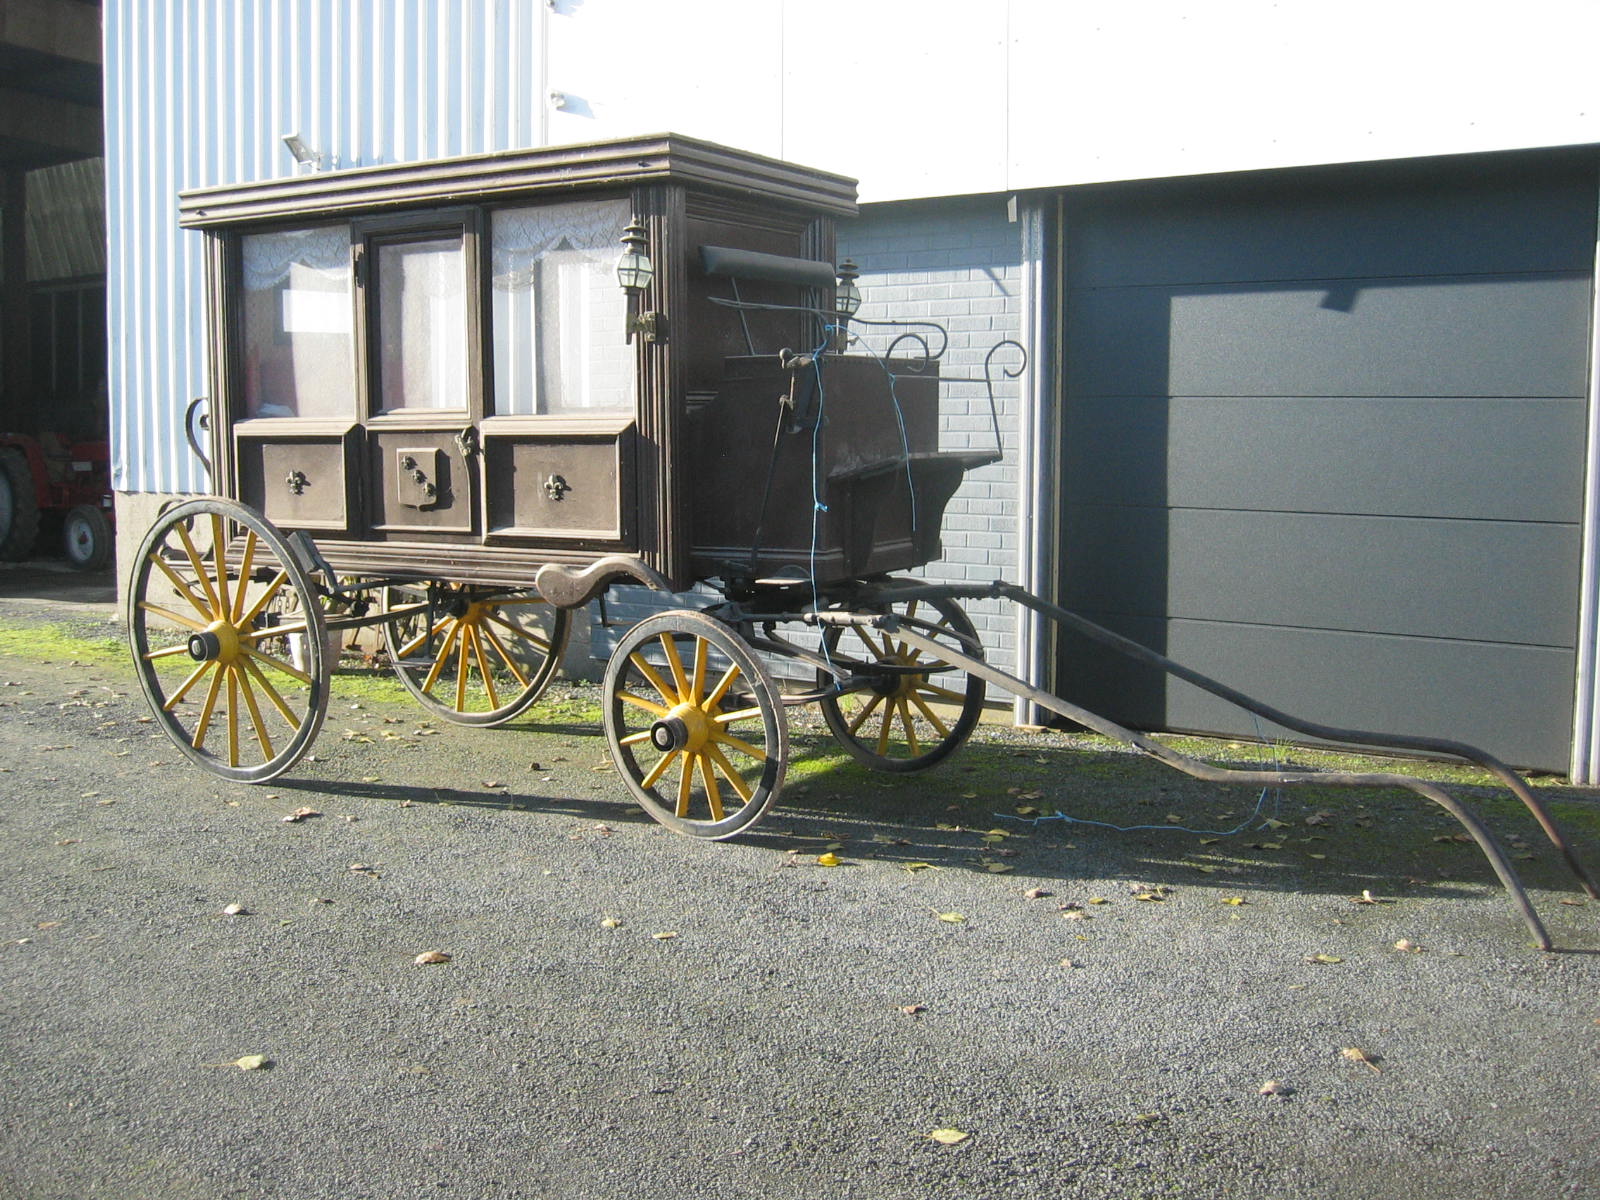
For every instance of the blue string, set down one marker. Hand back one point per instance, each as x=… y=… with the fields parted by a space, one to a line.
x=900 y=419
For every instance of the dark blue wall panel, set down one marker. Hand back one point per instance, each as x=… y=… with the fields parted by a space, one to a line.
x=1323 y=436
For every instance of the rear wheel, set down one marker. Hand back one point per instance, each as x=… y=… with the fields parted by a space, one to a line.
x=86 y=538
x=473 y=656
x=227 y=638
x=19 y=507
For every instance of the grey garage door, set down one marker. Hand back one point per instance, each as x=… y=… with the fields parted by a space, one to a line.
x=1323 y=439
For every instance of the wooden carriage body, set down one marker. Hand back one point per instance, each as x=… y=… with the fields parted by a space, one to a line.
x=431 y=370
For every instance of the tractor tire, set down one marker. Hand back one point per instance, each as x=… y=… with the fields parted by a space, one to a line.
x=19 y=507
x=86 y=539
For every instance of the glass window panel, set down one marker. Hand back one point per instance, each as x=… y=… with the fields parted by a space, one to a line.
x=299 y=358
x=422 y=324
x=560 y=320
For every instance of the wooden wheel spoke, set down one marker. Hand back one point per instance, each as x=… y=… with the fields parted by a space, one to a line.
x=698 y=683
x=910 y=727
x=713 y=793
x=181 y=586
x=860 y=718
x=246 y=562
x=483 y=666
x=723 y=684
x=739 y=744
x=206 y=709
x=649 y=706
x=263 y=739
x=929 y=688
x=732 y=776
x=686 y=782
x=521 y=631
x=175 y=618
x=505 y=656
x=636 y=739
x=442 y=657
x=669 y=644
x=277 y=664
x=233 y=715
x=265 y=684
x=649 y=672
x=199 y=569
x=422 y=639
x=219 y=555
x=165 y=652
x=660 y=769
x=177 y=697
x=887 y=727
x=256 y=636
x=932 y=717
x=266 y=598
x=743 y=714
x=463 y=664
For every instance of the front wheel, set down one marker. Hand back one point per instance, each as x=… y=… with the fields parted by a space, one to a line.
x=227 y=638
x=696 y=725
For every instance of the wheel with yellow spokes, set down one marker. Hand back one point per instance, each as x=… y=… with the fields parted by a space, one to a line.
x=912 y=709
x=228 y=640
x=473 y=655
x=696 y=725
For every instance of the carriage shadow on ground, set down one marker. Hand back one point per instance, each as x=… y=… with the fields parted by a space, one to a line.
x=1059 y=812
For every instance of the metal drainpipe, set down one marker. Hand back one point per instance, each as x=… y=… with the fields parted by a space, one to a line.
x=1585 y=735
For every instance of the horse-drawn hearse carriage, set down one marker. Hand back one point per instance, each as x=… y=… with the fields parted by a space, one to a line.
x=459 y=400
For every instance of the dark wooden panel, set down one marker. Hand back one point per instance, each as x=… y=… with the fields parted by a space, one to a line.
x=1477 y=580
x=1514 y=701
x=1491 y=459
x=562 y=487
x=392 y=497
x=1477 y=218
x=298 y=482
x=1470 y=336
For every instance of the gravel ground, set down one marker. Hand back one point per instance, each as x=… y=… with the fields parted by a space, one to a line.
x=570 y=1049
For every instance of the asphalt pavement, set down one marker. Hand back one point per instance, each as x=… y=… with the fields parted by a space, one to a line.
x=1075 y=1011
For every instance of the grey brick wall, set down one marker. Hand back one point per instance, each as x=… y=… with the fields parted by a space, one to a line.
x=956 y=262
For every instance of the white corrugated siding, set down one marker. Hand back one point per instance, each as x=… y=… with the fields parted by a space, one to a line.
x=200 y=92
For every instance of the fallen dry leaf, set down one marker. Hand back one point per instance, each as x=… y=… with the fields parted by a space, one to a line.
x=953 y=918
x=610 y=923
x=236 y=910
x=250 y=1062
x=830 y=859
x=1360 y=1056
x=912 y=1010
x=665 y=936
x=1273 y=1088
x=1407 y=947
x=300 y=814
x=1324 y=959
x=429 y=957
x=1098 y=900
x=1236 y=901
x=1036 y=893
x=913 y=868
x=949 y=1137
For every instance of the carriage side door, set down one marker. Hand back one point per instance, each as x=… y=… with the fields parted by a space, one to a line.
x=421 y=366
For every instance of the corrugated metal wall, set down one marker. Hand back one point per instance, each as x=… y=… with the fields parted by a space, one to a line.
x=202 y=91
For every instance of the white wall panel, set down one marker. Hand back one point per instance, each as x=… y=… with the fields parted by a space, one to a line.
x=200 y=92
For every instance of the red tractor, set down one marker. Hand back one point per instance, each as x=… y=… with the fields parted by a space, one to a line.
x=44 y=478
